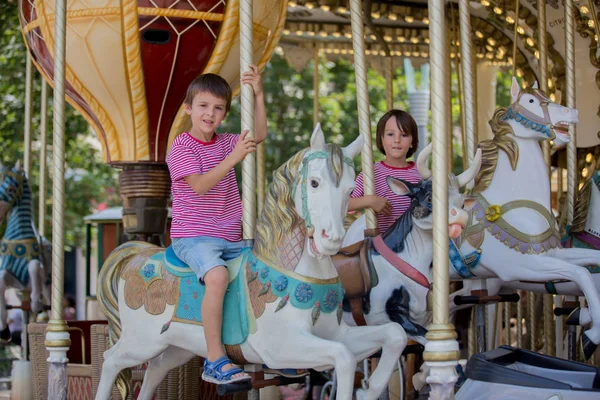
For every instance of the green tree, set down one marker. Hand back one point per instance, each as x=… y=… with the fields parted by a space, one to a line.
x=88 y=180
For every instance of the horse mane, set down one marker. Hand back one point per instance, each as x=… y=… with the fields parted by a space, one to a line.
x=581 y=207
x=489 y=148
x=279 y=217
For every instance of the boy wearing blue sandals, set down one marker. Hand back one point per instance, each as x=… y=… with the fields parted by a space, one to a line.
x=207 y=210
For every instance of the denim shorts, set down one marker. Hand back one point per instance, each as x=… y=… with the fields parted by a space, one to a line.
x=203 y=253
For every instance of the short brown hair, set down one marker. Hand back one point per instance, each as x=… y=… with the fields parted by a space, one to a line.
x=209 y=83
x=406 y=124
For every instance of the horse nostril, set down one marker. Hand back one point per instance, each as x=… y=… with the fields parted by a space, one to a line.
x=324 y=234
x=453 y=212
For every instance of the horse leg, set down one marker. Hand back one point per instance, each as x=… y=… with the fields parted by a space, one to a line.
x=577 y=256
x=124 y=354
x=160 y=366
x=4 y=331
x=300 y=349
x=364 y=341
x=543 y=269
x=34 y=267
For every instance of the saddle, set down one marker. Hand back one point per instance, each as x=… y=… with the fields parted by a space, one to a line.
x=357 y=274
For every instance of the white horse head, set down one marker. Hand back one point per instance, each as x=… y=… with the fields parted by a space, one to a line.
x=326 y=173
x=457 y=216
x=533 y=115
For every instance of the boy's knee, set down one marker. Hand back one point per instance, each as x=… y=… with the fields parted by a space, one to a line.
x=217 y=277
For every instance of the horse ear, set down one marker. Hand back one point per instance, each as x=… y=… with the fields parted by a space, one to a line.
x=18 y=165
x=317 y=140
x=514 y=90
x=535 y=85
x=469 y=203
x=399 y=186
x=354 y=148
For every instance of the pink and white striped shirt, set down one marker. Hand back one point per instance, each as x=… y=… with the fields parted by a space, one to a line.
x=399 y=203
x=217 y=213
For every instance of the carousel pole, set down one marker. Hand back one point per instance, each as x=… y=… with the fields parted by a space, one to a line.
x=28 y=109
x=249 y=162
x=389 y=82
x=468 y=77
x=548 y=299
x=57 y=336
x=572 y=145
x=520 y=305
x=441 y=351
x=364 y=123
x=43 y=155
x=316 y=84
x=247 y=113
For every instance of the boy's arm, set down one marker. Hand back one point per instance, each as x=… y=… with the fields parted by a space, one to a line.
x=379 y=204
x=202 y=183
x=254 y=79
x=260 y=118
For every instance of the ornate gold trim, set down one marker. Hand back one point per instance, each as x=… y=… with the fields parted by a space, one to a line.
x=442 y=356
x=135 y=77
x=170 y=12
x=109 y=129
x=146 y=11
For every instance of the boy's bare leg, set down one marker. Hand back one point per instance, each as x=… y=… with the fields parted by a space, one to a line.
x=216 y=281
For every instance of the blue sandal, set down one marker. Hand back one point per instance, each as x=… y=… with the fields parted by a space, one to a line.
x=213 y=372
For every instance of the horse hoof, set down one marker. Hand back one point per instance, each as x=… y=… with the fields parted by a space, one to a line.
x=5 y=335
x=573 y=318
x=587 y=346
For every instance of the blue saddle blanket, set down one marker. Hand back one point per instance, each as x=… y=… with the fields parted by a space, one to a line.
x=191 y=293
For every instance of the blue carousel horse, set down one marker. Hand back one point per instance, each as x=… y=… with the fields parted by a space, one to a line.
x=22 y=258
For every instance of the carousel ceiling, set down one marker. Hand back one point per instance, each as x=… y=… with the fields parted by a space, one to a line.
x=401 y=29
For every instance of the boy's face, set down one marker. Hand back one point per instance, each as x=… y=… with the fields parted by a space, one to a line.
x=206 y=112
x=396 y=142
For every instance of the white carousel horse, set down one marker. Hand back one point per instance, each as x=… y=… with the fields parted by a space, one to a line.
x=512 y=229
x=21 y=255
x=294 y=308
x=584 y=233
x=404 y=271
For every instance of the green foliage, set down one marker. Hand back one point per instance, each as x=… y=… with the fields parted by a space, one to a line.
x=88 y=180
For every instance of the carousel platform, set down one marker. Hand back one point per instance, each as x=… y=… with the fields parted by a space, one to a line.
x=511 y=373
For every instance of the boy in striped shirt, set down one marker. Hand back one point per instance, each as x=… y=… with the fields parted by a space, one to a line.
x=207 y=210
x=397 y=138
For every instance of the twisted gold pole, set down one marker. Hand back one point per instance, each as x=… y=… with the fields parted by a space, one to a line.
x=247 y=113
x=531 y=319
x=548 y=300
x=441 y=350
x=316 y=84
x=520 y=320
x=57 y=338
x=28 y=108
x=43 y=137
x=570 y=89
x=362 y=92
x=468 y=77
x=594 y=17
x=389 y=82
x=543 y=65
x=515 y=39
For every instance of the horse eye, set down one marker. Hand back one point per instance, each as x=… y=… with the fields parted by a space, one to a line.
x=314 y=183
x=531 y=101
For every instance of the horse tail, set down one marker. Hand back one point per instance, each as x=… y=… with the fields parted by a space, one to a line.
x=107 y=294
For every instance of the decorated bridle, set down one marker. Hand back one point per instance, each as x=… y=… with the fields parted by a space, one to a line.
x=7 y=172
x=301 y=179
x=529 y=119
